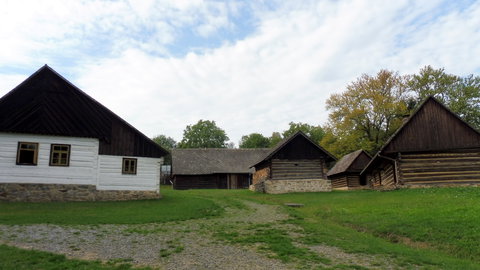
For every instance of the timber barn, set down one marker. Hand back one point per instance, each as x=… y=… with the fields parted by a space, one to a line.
x=433 y=147
x=296 y=164
x=59 y=144
x=218 y=168
x=346 y=172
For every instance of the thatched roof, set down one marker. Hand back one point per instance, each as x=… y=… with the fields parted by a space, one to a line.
x=214 y=160
x=353 y=162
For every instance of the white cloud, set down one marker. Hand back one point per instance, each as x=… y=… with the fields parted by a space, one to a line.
x=60 y=28
x=300 y=53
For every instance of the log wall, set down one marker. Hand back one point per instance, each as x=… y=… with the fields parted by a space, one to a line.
x=384 y=177
x=339 y=181
x=439 y=168
x=353 y=181
x=283 y=169
x=211 y=181
x=346 y=181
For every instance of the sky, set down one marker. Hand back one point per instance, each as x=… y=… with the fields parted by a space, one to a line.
x=250 y=66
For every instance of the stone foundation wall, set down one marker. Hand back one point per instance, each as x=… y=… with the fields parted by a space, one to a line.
x=286 y=186
x=258 y=187
x=59 y=192
x=434 y=185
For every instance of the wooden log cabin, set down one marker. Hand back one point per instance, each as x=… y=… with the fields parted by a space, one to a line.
x=295 y=158
x=213 y=168
x=433 y=147
x=346 y=172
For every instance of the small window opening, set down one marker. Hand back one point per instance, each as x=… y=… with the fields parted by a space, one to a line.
x=60 y=155
x=27 y=153
x=129 y=166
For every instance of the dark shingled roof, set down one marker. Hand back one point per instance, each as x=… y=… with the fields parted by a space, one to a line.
x=287 y=140
x=346 y=162
x=214 y=160
x=48 y=104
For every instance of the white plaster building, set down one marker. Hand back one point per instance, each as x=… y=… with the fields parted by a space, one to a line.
x=58 y=143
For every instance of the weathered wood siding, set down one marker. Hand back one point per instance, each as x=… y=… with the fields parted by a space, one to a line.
x=300 y=148
x=345 y=181
x=126 y=141
x=110 y=175
x=433 y=128
x=353 y=181
x=339 y=181
x=440 y=168
x=384 y=177
x=81 y=170
x=211 y=181
x=283 y=169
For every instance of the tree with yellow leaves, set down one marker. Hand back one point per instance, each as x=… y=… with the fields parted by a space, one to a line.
x=367 y=113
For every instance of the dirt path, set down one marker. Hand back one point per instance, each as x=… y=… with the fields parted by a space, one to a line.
x=190 y=244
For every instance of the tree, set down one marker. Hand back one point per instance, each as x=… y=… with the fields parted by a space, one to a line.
x=367 y=113
x=204 y=134
x=275 y=139
x=254 y=140
x=165 y=142
x=315 y=133
x=168 y=143
x=461 y=95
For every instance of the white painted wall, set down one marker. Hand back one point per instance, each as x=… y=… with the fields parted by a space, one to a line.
x=110 y=175
x=83 y=160
x=86 y=166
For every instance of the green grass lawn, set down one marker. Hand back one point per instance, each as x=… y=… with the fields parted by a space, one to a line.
x=437 y=228
x=173 y=206
x=19 y=259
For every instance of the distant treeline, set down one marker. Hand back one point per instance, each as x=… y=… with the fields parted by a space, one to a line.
x=364 y=115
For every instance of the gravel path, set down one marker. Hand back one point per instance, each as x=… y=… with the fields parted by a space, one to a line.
x=174 y=245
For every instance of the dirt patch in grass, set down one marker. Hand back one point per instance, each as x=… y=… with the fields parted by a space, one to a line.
x=248 y=236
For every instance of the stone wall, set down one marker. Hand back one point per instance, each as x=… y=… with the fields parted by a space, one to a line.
x=261 y=175
x=438 y=185
x=258 y=187
x=286 y=186
x=61 y=192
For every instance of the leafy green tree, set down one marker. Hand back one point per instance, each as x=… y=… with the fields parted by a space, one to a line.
x=254 y=140
x=204 y=134
x=168 y=143
x=460 y=94
x=315 y=133
x=275 y=138
x=165 y=142
x=366 y=113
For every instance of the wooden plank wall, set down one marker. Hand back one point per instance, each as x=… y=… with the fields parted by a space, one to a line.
x=211 y=181
x=284 y=169
x=382 y=178
x=197 y=181
x=346 y=181
x=339 y=182
x=353 y=180
x=440 y=168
